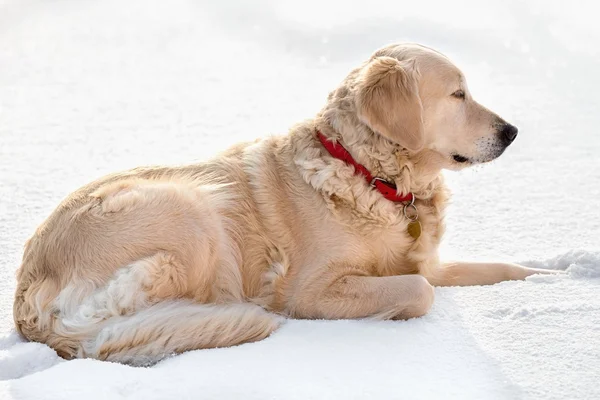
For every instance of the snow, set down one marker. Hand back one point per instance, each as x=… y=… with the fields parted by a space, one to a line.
x=87 y=88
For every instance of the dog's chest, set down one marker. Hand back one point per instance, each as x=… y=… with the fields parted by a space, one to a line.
x=398 y=250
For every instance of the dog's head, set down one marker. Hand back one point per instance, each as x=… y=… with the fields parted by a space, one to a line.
x=417 y=98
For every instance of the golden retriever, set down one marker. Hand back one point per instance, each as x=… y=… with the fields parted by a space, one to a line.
x=340 y=218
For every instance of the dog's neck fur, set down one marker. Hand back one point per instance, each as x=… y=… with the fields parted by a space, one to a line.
x=382 y=157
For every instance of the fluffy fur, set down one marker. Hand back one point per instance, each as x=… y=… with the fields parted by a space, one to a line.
x=153 y=261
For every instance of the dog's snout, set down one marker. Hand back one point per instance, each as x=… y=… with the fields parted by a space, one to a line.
x=508 y=133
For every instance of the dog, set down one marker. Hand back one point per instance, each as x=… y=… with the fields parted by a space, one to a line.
x=341 y=218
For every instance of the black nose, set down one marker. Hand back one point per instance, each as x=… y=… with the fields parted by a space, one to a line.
x=508 y=133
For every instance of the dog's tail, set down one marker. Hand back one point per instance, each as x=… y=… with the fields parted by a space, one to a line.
x=97 y=326
x=175 y=326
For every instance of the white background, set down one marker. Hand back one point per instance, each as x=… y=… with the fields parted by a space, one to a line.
x=90 y=87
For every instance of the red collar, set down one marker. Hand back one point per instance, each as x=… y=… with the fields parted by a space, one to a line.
x=387 y=189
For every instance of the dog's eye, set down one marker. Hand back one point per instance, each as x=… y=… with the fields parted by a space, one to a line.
x=459 y=94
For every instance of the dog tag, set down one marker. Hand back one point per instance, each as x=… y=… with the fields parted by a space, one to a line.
x=414 y=229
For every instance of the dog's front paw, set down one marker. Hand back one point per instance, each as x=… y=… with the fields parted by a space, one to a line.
x=519 y=272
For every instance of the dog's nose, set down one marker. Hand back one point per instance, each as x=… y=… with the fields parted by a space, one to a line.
x=508 y=133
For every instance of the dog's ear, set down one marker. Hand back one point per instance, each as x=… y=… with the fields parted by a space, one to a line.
x=388 y=101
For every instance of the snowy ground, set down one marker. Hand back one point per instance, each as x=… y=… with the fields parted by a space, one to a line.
x=89 y=87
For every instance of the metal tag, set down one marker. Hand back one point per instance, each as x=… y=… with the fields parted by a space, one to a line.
x=414 y=229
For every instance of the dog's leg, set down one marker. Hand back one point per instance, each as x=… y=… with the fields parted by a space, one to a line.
x=475 y=273
x=351 y=296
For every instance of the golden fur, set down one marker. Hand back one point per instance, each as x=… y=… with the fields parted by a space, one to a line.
x=153 y=261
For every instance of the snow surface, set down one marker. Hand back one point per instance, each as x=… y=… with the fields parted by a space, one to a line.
x=90 y=87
